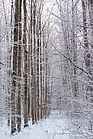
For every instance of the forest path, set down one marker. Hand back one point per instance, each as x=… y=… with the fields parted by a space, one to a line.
x=54 y=127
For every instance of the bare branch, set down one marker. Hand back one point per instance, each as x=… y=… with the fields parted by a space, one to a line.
x=68 y=58
x=1 y=63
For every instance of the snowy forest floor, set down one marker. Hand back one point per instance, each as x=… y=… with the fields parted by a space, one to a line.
x=57 y=126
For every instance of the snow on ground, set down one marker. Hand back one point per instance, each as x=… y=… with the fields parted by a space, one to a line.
x=54 y=127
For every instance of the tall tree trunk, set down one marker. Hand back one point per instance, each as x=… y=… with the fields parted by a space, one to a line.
x=34 y=66
x=14 y=83
x=41 y=67
x=32 y=75
x=19 y=66
x=74 y=54
x=46 y=81
x=38 y=68
x=25 y=66
x=9 y=66
x=43 y=77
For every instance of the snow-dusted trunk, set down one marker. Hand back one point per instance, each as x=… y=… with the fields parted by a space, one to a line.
x=39 y=64
x=31 y=41
x=16 y=88
x=90 y=9
x=13 y=94
x=74 y=53
x=18 y=105
x=90 y=51
x=41 y=67
x=25 y=65
x=43 y=75
x=9 y=66
x=38 y=67
x=46 y=80
x=34 y=116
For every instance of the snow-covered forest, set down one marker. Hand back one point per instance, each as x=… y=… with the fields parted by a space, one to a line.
x=46 y=69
